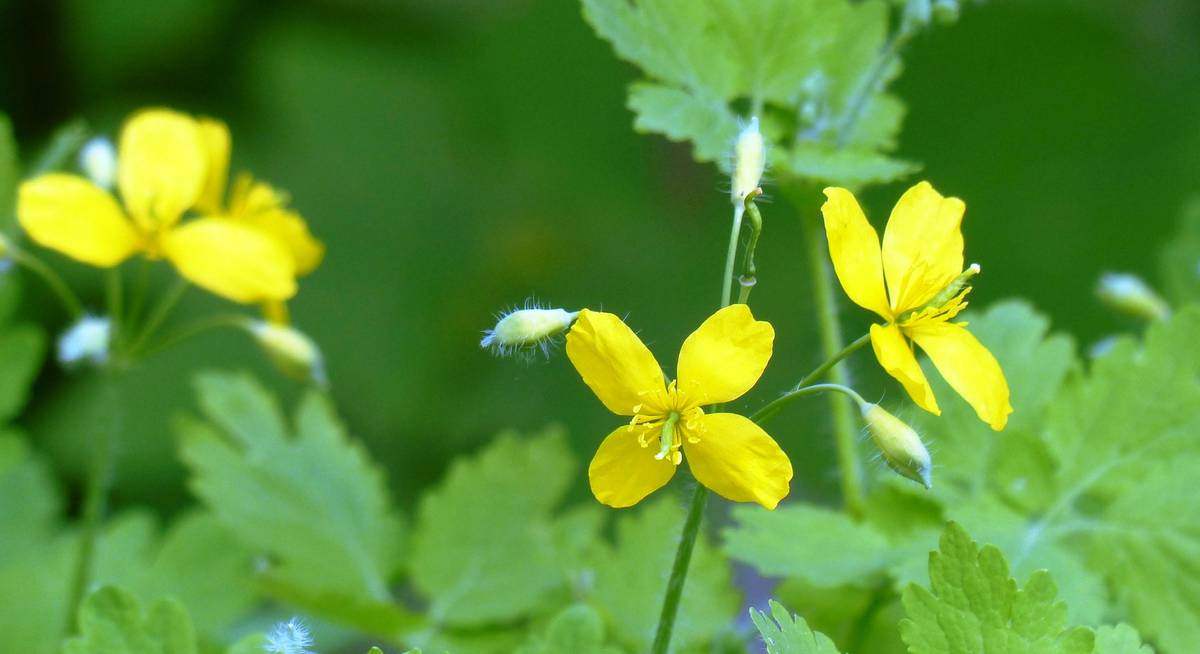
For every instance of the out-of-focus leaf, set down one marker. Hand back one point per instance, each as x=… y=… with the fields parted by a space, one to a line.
x=313 y=503
x=577 y=629
x=1179 y=264
x=483 y=546
x=631 y=580
x=111 y=621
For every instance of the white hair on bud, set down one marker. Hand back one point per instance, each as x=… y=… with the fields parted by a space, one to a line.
x=289 y=637
x=520 y=332
x=749 y=161
x=86 y=341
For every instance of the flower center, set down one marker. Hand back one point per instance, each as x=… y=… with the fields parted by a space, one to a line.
x=672 y=418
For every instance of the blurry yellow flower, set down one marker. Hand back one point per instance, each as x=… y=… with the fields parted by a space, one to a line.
x=167 y=164
x=921 y=259
x=719 y=362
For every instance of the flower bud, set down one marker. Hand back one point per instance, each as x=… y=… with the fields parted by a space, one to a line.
x=749 y=160
x=86 y=341
x=98 y=159
x=899 y=444
x=291 y=351
x=523 y=330
x=1130 y=295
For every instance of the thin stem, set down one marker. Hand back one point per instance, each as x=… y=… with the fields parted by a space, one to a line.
x=159 y=314
x=765 y=413
x=731 y=255
x=114 y=295
x=683 y=559
x=832 y=361
x=95 y=498
x=138 y=301
x=749 y=276
x=52 y=279
x=187 y=332
x=831 y=343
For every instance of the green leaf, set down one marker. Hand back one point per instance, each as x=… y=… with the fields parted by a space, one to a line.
x=1120 y=639
x=631 y=580
x=22 y=348
x=705 y=62
x=483 y=546
x=577 y=629
x=787 y=541
x=112 y=622
x=1179 y=264
x=974 y=606
x=314 y=502
x=784 y=633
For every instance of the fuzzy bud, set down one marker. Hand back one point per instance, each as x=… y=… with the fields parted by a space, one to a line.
x=899 y=444
x=98 y=160
x=86 y=341
x=523 y=330
x=289 y=637
x=291 y=351
x=1132 y=296
x=749 y=161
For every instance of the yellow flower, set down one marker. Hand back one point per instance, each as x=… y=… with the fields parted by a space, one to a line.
x=921 y=258
x=168 y=163
x=718 y=363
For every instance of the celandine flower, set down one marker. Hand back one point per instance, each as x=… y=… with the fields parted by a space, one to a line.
x=167 y=164
x=718 y=363
x=922 y=262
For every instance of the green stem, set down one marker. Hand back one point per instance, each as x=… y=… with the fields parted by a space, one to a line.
x=95 y=499
x=731 y=255
x=114 y=294
x=831 y=344
x=683 y=559
x=765 y=413
x=749 y=276
x=194 y=329
x=52 y=279
x=159 y=314
x=832 y=361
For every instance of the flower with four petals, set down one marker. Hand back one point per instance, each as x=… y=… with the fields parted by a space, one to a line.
x=906 y=282
x=718 y=363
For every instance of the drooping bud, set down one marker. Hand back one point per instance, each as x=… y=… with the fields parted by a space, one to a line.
x=291 y=637
x=87 y=341
x=1130 y=295
x=899 y=444
x=523 y=330
x=98 y=160
x=291 y=351
x=749 y=161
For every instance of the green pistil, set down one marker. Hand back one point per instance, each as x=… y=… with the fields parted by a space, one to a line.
x=668 y=435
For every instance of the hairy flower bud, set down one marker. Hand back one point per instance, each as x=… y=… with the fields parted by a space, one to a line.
x=98 y=160
x=899 y=444
x=1132 y=296
x=289 y=637
x=523 y=330
x=86 y=341
x=749 y=161
x=291 y=351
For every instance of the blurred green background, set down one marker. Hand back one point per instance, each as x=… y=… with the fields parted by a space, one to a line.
x=460 y=156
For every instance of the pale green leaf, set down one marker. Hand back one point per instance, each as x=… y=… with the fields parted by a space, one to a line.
x=681 y=116
x=784 y=633
x=854 y=168
x=973 y=605
x=1120 y=639
x=805 y=542
x=111 y=621
x=631 y=579
x=314 y=502
x=483 y=547
x=577 y=629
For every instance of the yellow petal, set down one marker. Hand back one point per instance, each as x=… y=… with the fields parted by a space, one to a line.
x=922 y=246
x=232 y=260
x=289 y=229
x=214 y=137
x=615 y=364
x=70 y=214
x=161 y=167
x=725 y=357
x=969 y=367
x=896 y=356
x=738 y=460
x=623 y=472
x=854 y=249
